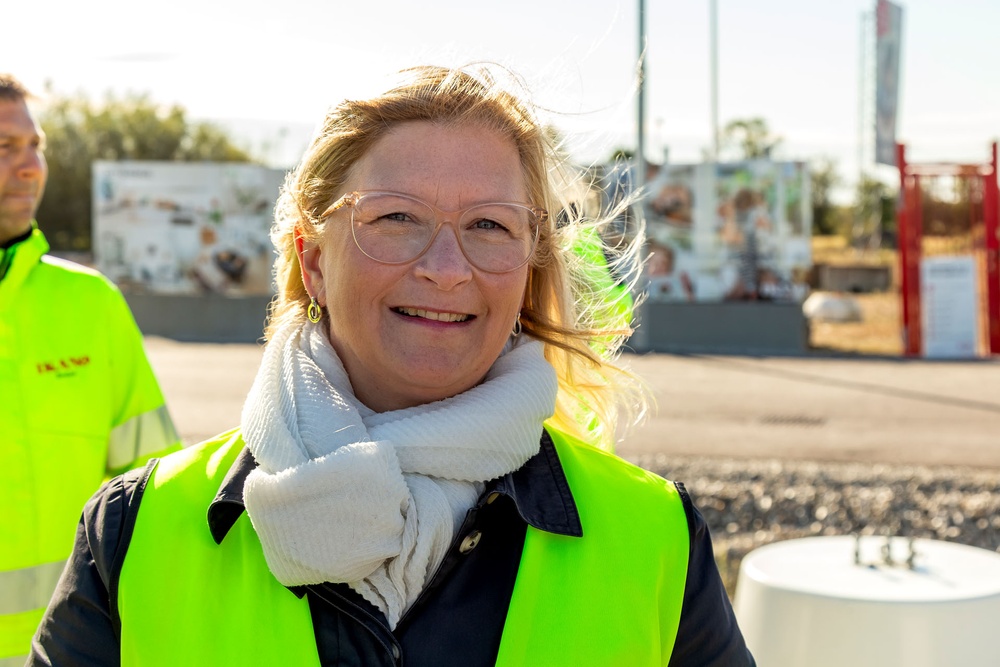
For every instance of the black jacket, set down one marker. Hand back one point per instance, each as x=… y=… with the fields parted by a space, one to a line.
x=457 y=620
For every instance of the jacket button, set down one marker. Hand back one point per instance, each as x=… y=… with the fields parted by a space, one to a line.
x=470 y=542
x=396 y=653
x=490 y=499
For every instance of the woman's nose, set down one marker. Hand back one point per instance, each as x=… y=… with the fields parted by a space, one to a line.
x=444 y=263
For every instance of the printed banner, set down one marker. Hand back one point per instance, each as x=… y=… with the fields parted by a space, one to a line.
x=185 y=228
x=738 y=231
x=888 y=38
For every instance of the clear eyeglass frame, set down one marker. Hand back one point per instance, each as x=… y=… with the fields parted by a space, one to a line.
x=442 y=217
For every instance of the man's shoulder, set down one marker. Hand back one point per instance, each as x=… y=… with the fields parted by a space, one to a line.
x=65 y=269
x=71 y=282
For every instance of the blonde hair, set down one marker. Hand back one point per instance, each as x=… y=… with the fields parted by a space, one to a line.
x=571 y=303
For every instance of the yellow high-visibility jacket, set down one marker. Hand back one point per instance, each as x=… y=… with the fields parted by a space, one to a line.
x=78 y=402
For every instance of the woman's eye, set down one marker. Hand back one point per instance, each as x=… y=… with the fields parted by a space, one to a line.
x=396 y=217
x=488 y=224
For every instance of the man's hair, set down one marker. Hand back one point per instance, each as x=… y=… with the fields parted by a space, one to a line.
x=12 y=90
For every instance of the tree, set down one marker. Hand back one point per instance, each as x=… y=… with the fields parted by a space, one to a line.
x=621 y=154
x=874 y=212
x=748 y=139
x=824 y=178
x=79 y=131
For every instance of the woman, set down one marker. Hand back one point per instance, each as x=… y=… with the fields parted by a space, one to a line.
x=418 y=478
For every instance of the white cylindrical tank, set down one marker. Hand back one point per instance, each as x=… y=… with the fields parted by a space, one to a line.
x=870 y=601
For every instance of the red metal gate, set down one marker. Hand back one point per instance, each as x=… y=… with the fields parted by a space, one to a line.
x=984 y=236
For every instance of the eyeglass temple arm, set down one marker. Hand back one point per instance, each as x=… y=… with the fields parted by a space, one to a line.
x=347 y=200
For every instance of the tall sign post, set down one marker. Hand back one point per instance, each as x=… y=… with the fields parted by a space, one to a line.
x=713 y=26
x=640 y=148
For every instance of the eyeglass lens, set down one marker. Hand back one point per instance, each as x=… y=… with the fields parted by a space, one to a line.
x=396 y=228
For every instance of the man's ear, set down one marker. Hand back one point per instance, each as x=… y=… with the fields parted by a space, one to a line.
x=309 y=263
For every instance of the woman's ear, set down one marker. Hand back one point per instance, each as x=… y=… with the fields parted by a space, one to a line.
x=309 y=263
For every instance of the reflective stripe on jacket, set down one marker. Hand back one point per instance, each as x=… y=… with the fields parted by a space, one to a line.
x=612 y=597
x=78 y=402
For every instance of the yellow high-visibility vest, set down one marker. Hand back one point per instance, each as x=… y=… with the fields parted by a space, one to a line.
x=78 y=402
x=612 y=597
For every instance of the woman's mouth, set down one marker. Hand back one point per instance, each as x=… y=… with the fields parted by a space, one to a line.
x=434 y=315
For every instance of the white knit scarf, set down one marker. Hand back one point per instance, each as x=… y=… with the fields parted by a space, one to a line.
x=344 y=494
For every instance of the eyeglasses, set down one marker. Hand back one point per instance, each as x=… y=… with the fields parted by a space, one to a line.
x=394 y=228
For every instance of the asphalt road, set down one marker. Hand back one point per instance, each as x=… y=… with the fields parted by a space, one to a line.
x=913 y=412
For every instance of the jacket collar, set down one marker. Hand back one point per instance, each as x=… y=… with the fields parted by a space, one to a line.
x=20 y=259
x=17 y=239
x=539 y=490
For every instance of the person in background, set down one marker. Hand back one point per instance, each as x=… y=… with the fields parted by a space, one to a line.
x=422 y=472
x=78 y=399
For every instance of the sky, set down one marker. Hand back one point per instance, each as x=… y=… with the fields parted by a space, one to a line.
x=267 y=71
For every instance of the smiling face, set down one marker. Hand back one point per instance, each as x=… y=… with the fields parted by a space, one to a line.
x=22 y=168
x=415 y=333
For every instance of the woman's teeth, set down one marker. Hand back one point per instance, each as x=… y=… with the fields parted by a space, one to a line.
x=431 y=315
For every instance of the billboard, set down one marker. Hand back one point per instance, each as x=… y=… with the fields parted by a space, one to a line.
x=729 y=232
x=185 y=228
x=888 y=39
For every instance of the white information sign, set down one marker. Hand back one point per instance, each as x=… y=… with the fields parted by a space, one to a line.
x=949 y=298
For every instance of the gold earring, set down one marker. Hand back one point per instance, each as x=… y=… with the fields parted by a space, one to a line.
x=517 y=327
x=314 y=312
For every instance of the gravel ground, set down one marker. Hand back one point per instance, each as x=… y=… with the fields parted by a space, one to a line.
x=749 y=503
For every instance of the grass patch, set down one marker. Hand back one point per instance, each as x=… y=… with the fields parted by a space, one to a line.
x=880 y=330
x=835 y=251
x=878 y=333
